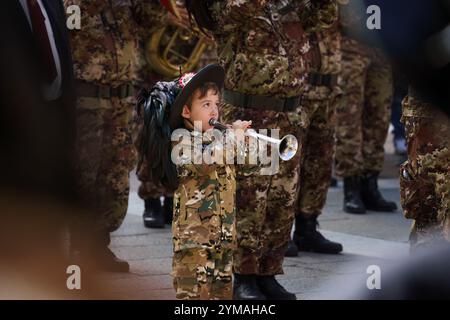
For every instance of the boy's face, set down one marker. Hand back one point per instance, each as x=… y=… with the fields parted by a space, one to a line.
x=202 y=109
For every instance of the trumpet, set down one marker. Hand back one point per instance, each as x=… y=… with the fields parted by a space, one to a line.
x=287 y=146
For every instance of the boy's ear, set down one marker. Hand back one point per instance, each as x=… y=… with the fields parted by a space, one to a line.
x=186 y=113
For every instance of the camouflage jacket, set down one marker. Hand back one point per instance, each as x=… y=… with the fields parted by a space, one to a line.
x=204 y=203
x=263 y=47
x=106 y=49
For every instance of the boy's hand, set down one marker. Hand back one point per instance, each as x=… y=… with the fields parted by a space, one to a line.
x=242 y=125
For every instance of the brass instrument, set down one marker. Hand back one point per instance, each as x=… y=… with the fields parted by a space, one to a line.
x=287 y=146
x=171 y=48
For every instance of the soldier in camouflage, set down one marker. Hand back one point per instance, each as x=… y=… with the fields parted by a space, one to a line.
x=320 y=97
x=263 y=48
x=105 y=53
x=363 y=114
x=425 y=176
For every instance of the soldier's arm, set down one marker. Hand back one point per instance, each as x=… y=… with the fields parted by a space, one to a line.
x=317 y=15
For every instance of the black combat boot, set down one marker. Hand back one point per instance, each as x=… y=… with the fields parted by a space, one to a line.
x=371 y=195
x=352 y=195
x=246 y=288
x=292 y=250
x=153 y=214
x=273 y=290
x=307 y=238
x=168 y=209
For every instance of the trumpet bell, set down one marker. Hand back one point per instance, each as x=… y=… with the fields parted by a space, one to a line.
x=288 y=147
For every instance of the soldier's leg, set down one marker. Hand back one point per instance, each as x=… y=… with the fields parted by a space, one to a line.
x=251 y=195
x=90 y=131
x=315 y=177
x=119 y=160
x=281 y=200
x=376 y=118
x=349 y=136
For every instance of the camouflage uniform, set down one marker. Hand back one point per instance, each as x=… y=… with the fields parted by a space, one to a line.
x=320 y=102
x=105 y=54
x=203 y=228
x=265 y=54
x=363 y=111
x=425 y=176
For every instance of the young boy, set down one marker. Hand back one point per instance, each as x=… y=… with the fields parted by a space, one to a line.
x=203 y=226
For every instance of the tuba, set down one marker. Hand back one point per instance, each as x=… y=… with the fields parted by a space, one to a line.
x=171 y=48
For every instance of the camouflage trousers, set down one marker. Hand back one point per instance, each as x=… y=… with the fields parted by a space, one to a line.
x=203 y=274
x=425 y=176
x=266 y=203
x=317 y=157
x=363 y=111
x=106 y=157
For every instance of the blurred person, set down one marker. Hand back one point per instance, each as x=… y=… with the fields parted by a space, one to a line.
x=425 y=176
x=106 y=64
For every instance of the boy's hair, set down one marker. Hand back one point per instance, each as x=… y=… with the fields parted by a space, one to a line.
x=203 y=90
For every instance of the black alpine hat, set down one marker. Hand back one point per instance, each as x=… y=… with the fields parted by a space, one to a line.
x=187 y=84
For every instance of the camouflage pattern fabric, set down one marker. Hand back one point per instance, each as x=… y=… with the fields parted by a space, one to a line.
x=264 y=52
x=106 y=156
x=266 y=203
x=267 y=52
x=203 y=274
x=425 y=176
x=204 y=228
x=363 y=111
x=317 y=160
x=105 y=50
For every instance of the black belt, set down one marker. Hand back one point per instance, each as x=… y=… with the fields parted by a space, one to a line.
x=253 y=101
x=86 y=89
x=327 y=80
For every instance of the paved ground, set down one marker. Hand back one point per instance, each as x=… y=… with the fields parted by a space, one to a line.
x=372 y=239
